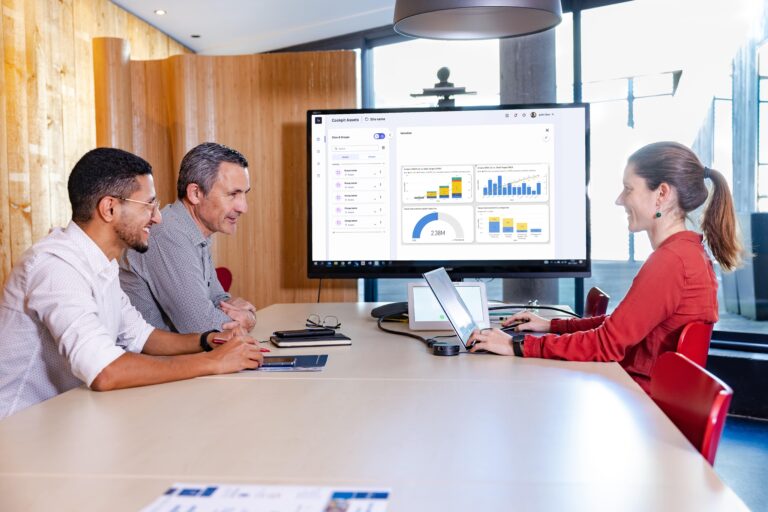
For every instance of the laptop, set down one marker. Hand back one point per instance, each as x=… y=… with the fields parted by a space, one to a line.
x=453 y=306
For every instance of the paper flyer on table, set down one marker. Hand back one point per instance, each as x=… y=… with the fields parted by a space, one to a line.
x=186 y=497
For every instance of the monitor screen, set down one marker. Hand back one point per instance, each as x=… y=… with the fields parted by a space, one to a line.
x=482 y=191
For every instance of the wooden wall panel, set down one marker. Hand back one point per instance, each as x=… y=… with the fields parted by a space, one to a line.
x=176 y=48
x=5 y=225
x=269 y=249
x=16 y=122
x=256 y=104
x=47 y=111
x=84 y=25
x=65 y=65
x=39 y=77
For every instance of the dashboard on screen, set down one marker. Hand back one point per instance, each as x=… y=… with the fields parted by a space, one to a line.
x=482 y=191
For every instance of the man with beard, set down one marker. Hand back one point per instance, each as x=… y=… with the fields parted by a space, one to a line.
x=64 y=319
x=174 y=284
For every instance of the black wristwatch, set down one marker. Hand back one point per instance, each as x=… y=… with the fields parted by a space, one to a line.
x=204 y=341
x=517 y=344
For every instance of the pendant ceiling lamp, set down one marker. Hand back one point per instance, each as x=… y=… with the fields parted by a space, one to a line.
x=475 y=19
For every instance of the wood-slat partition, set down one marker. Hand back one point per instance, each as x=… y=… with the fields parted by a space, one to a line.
x=16 y=133
x=47 y=106
x=256 y=104
x=5 y=214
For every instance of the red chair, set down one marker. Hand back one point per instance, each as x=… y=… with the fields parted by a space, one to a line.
x=694 y=399
x=694 y=342
x=596 y=303
x=225 y=277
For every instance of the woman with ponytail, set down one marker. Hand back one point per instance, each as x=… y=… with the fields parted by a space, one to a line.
x=663 y=183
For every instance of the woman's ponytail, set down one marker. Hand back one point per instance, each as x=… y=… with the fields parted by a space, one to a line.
x=718 y=223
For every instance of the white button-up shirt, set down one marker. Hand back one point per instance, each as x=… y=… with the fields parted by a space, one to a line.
x=63 y=319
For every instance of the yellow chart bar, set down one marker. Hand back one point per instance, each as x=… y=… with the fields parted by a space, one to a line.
x=456 y=187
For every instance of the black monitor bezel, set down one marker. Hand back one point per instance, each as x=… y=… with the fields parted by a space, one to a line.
x=457 y=268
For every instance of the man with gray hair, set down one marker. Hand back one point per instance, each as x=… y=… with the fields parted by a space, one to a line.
x=65 y=322
x=174 y=284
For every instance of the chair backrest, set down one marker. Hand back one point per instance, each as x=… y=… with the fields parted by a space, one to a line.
x=225 y=277
x=694 y=399
x=596 y=303
x=693 y=342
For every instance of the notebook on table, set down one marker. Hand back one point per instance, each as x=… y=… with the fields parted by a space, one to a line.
x=311 y=341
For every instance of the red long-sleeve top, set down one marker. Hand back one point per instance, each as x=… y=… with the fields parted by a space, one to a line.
x=675 y=286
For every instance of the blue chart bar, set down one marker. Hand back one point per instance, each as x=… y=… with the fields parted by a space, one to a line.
x=493 y=226
x=535 y=230
x=497 y=188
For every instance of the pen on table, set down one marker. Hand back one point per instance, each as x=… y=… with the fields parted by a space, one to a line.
x=219 y=341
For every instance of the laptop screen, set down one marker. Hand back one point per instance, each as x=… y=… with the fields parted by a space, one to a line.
x=450 y=300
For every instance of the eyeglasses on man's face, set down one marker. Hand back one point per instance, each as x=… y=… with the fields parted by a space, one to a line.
x=153 y=205
x=330 y=321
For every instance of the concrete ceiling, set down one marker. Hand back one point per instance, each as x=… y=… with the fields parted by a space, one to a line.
x=228 y=27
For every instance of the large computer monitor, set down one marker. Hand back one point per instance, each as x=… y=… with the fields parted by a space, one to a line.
x=482 y=191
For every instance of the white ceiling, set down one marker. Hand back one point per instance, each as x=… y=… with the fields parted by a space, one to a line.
x=230 y=27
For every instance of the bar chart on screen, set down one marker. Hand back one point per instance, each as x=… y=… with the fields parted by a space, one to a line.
x=505 y=224
x=513 y=183
x=437 y=184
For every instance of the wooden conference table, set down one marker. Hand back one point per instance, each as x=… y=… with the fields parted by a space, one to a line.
x=473 y=432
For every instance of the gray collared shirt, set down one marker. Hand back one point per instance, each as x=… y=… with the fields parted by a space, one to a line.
x=174 y=283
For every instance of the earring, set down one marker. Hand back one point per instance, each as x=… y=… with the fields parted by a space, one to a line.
x=658 y=214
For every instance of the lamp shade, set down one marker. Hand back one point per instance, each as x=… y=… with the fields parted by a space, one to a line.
x=475 y=19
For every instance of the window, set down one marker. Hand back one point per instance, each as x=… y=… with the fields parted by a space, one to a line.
x=402 y=69
x=648 y=76
x=643 y=89
x=722 y=138
x=762 y=152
